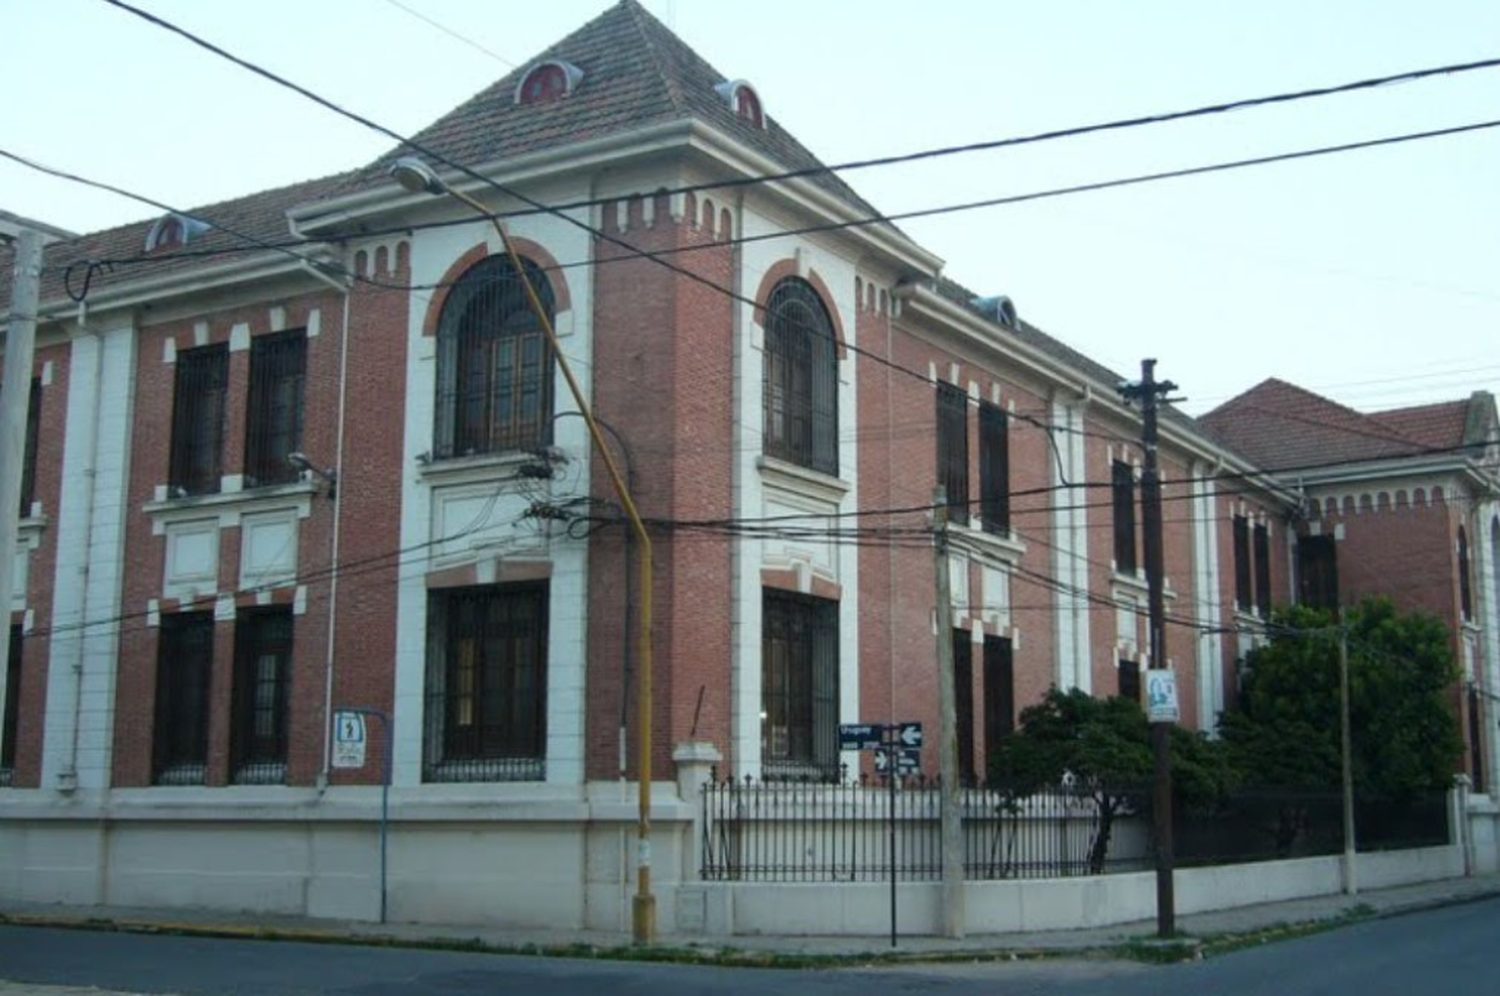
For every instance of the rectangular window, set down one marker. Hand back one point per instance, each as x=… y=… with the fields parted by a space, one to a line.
x=953 y=449
x=1130 y=681
x=1242 y=563
x=486 y=684
x=1476 y=741
x=999 y=691
x=198 y=409
x=28 y=454
x=12 y=708
x=273 y=429
x=963 y=701
x=1263 y=570
x=1317 y=572
x=1122 y=494
x=185 y=657
x=799 y=686
x=262 y=685
x=994 y=469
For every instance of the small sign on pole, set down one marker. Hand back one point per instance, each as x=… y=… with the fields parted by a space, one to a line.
x=1161 y=695
x=349 y=740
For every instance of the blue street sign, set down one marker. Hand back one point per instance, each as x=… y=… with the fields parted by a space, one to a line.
x=909 y=734
x=860 y=736
x=908 y=760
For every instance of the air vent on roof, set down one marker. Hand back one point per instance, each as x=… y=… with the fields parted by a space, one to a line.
x=174 y=230
x=998 y=309
x=743 y=101
x=548 y=81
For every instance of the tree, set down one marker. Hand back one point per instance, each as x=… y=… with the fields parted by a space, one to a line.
x=1103 y=747
x=1286 y=732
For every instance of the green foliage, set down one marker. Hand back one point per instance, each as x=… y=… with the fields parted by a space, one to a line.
x=1287 y=730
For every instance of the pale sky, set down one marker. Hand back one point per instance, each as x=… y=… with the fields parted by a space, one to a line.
x=1369 y=276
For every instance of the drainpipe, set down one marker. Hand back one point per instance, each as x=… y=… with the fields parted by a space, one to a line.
x=333 y=557
x=67 y=778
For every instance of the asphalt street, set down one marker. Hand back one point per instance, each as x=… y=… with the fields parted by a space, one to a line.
x=1446 y=950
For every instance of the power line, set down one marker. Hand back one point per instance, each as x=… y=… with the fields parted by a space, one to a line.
x=453 y=34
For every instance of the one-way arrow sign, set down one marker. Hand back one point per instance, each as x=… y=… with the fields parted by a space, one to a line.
x=908 y=760
x=910 y=734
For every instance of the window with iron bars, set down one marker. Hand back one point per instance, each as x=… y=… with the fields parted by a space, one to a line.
x=1318 y=572
x=262 y=686
x=12 y=717
x=486 y=684
x=999 y=690
x=801 y=379
x=273 y=428
x=494 y=373
x=953 y=449
x=994 y=469
x=1263 y=570
x=1122 y=494
x=28 y=455
x=198 y=411
x=1241 y=529
x=185 y=657
x=799 y=687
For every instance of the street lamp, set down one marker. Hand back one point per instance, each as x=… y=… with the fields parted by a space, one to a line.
x=416 y=176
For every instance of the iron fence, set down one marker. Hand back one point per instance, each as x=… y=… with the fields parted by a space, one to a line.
x=844 y=831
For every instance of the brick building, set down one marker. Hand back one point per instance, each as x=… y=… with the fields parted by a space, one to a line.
x=269 y=484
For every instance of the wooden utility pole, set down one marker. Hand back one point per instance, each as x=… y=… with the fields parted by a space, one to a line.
x=1149 y=393
x=952 y=826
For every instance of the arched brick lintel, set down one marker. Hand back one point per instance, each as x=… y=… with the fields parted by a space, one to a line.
x=780 y=271
x=534 y=251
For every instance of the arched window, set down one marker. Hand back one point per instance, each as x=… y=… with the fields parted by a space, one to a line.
x=1465 y=597
x=494 y=376
x=801 y=385
x=548 y=81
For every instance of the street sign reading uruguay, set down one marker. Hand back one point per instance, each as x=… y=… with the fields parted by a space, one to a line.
x=860 y=736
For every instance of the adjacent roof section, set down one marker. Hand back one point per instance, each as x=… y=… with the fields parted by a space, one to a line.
x=635 y=72
x=121 y=258
x=1281 y=426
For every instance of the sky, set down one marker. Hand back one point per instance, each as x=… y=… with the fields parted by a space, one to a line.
x=1369 y=276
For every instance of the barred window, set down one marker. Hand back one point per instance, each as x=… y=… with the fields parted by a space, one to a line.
x=999 y=690
x=12 y=708
x=486 y=684
x=185 y=657
x=1263 y=570
x=273 y=429
x=28 y=455
x=953 y=449
x=1241 y=563
x=262 y=686
x=963 y=701
x=801 y=379
x=1317 y=572
x=198 y=410
x=1122 y=493
x=1465 y=596
x=494 y=376
x=994 y=469
x=799 y=687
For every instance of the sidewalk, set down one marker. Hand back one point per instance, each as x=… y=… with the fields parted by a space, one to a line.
x=1250 y=919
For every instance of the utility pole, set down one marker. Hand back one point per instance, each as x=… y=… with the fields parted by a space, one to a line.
x=15 y=405
x=1351 y=866
x=1149 y=393
x=951 y=820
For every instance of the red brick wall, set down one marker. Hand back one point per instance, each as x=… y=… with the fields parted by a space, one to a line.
x=145 y=553
x=664 y=349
